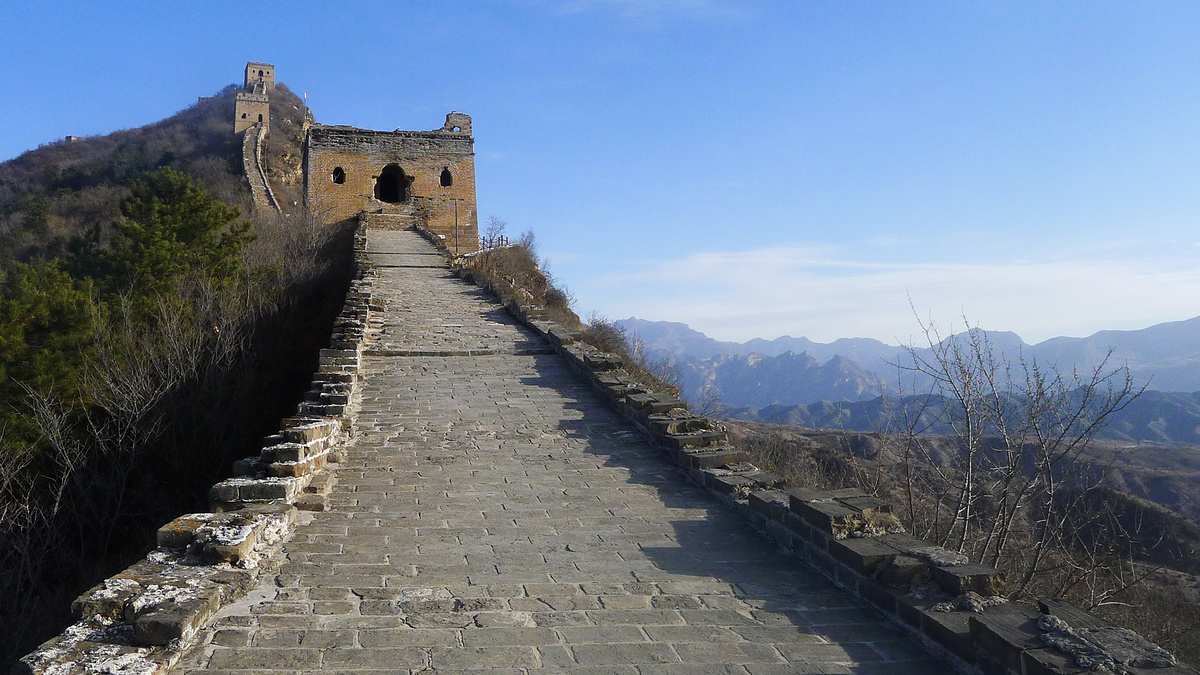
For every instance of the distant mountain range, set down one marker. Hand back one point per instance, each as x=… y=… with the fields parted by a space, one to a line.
x=837 y=385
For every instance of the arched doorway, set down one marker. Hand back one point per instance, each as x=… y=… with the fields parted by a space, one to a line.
x=392 y=186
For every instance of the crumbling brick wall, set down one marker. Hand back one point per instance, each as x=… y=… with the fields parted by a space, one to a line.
x=431 y=176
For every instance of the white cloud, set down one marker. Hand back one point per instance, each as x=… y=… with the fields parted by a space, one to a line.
x=821 y=292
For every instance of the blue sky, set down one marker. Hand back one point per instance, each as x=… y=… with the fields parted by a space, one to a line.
x=751 y=168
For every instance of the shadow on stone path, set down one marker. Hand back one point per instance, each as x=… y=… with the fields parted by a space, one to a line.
x=494 y=514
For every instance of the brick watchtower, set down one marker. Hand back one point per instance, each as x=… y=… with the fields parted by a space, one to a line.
x=253 y=105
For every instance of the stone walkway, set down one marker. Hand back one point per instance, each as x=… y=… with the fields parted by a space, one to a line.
x=495 y=514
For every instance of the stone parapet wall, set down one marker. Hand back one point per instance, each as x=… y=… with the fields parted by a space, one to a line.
x=952 y=605
x=144 y=618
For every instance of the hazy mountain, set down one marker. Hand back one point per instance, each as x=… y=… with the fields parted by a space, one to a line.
x=755 y=380
x=1167 y=356
x=1154 y=417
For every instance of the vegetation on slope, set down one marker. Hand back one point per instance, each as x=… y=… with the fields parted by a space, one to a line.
x=1127 y=559
x=517 y=273
x=150 y=334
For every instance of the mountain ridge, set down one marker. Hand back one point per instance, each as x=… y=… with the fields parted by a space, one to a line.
x=1165 y=356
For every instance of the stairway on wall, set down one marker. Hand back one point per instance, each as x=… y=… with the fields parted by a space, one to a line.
x=252 y=164
x=495 y=513
x=393 y=217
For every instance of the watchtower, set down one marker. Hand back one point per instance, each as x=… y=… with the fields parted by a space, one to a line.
x=414 y=176
x=253 y=104
x=259 y=73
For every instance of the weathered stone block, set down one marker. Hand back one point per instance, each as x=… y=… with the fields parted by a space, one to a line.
x=669 y=424
x=175 y=621
x=599 y=361
x=1078 y=618
x=1006 y=630
x=863 y=555
x=180 y=532
x=950 y=630
x=770 y=503
x=702 y=439
x=866 y=503
x=765 y=479
x=714 y=459
x=289 y=469
x=1049 y=661
x=904 y=542
x=106 y=599
x=831 y=517
x=226 y=491
x=269 y=488
x=959 y=579
x=306 y=433
x=229 y=537
x=735 y=485
x=312 y=502
x=809 y=494
x=900 y=570
x=286 y=452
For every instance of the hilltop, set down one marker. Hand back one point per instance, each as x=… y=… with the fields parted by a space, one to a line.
x=72 y=187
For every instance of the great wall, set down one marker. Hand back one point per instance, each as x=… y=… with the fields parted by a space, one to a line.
x=469 y=487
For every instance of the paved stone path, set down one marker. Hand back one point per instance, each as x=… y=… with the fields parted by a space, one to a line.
x=496 y=514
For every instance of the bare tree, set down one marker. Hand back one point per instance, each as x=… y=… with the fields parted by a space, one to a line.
x=1021 y=464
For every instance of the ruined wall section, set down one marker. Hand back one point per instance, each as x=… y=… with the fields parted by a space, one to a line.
x=343 y=166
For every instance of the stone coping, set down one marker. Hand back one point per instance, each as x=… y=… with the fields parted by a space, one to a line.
x=954 y=607
x=141 y=620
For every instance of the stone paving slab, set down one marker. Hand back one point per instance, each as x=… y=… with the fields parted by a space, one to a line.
x=495 y=515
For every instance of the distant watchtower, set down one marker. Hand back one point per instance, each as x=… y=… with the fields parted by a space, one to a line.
x=259 y=73
x=253 y=105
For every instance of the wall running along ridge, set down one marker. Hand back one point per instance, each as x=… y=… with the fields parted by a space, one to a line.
x=143 y=619
x=951 y=604
x=252 y=164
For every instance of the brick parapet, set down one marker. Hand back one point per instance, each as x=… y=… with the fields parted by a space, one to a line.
x=143 y=619
x=951 y=605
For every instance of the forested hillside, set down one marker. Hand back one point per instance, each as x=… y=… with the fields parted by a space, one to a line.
x=152 y=331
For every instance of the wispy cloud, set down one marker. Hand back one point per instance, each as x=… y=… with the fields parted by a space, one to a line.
x=824 y=293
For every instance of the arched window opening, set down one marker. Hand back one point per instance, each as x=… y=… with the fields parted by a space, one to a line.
x=392 y=186
x=339 y=175
x=260 y=117
x=260 y=73
x=447 y=180
x=244 y=115
x=456 y=129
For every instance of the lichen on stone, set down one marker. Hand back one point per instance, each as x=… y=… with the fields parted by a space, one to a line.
x=969 y=602
x=942 y=557
x=1106 y=648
